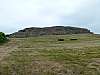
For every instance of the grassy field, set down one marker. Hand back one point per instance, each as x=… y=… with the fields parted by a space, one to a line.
x=45 y=55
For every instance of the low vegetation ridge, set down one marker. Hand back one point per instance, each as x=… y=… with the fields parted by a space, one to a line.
x=55 y=30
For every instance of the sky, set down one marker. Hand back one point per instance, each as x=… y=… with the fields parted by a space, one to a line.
x=19 y=14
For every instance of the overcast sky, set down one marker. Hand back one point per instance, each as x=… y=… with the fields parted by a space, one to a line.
x=19 y=14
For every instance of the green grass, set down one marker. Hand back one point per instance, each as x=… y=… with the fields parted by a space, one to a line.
x=45 y=55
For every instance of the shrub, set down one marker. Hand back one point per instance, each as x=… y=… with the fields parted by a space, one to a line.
x=60 y=39
x=74 y=39
x=2 y=37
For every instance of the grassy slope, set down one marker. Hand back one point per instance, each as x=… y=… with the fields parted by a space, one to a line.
x=46 y=56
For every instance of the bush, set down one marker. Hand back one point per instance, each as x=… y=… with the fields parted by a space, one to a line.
x=60 y=39
x=2 y=37
x=74 y=39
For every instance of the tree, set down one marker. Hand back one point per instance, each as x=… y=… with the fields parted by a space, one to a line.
x=2 y=37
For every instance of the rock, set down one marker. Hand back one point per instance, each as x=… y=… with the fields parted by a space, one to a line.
x=55 y=30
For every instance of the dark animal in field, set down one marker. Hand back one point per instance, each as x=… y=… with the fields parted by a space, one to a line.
x=74 y=39
x=60 y=39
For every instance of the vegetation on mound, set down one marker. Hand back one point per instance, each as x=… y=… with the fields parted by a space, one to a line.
x=2 y=37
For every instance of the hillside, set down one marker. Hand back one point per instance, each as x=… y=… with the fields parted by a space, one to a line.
x=55 y=30
x=45 y=55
